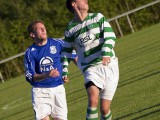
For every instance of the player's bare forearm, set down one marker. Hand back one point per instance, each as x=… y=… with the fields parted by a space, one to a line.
x=40 y=77
x=53 y=73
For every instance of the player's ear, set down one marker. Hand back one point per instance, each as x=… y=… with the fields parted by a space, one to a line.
x=74 y=4
x=32 y=35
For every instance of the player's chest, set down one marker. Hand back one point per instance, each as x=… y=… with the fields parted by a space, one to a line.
x=50 y=52
x=86 y=33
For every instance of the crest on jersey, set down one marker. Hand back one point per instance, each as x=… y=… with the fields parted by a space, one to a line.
x=90 y=26
x=53 y=49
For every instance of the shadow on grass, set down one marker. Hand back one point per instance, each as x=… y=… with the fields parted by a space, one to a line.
x=147 y=114
x=75 y=74
x=139 y=77
x=28 y=117
x=77 y=100
x=143 y=51
x=141 y=111
x=15 y=113
x=10 y=86
x=141 y=66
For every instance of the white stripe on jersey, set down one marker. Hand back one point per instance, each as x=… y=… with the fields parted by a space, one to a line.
x=106 y=49
x=109 y=34
x=110 y=41
x=106 y=24
x=58 y=40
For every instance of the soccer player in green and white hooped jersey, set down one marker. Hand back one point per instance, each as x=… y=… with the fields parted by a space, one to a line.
x=94 y=39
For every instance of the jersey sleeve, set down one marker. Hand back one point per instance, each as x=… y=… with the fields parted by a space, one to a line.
x=29 y=66
x=74 y=54
x=108 y=35
x=67 y=52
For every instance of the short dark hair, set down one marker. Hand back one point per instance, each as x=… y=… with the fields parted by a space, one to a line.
x=31 y=26
x=69 y=5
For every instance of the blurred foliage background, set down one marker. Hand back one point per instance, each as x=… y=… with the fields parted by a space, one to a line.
x=15 y=15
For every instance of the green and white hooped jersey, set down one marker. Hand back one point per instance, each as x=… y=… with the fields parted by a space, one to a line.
x=92 y=38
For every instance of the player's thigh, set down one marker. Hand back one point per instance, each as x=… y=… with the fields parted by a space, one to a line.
x=40 y=102
x=112 y=77
x=93 y=95
x=105 y=106
x=94 y=75
x=60 y=109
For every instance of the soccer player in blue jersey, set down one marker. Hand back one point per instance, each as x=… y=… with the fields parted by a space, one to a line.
x=94 y=40
x=43 y=70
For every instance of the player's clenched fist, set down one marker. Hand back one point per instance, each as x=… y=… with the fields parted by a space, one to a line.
x=54 y=73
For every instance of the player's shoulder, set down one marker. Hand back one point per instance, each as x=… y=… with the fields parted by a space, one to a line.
x=27 y=51
x=100 y=15
x=30 y=49
x=96 y=16
x=70 y=25
x=57 y=40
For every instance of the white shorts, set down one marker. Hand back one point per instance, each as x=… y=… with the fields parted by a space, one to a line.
x=104 y=77
x=49 y=101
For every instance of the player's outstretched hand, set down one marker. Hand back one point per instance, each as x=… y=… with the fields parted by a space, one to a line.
x=65 y=79
x=54 y=73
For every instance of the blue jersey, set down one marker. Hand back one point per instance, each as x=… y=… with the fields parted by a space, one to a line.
x=42 y=59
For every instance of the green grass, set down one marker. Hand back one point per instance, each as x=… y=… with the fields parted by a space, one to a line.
x=137 y=96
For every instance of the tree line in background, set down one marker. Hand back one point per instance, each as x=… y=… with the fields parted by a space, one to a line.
x=15 y=15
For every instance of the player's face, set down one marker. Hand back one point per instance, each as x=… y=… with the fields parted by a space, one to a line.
x=82 y=4
x=40 y=31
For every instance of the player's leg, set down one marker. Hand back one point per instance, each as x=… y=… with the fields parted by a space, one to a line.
x=93 y=84
x=60 y=104
x=105 y=109
x=93 y=94
x=40 y=101
x=112 y=77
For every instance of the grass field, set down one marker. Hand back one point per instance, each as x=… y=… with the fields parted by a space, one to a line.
x=137 y=96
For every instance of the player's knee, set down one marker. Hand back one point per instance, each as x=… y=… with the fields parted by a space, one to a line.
x=93 y=101
x=105 y=110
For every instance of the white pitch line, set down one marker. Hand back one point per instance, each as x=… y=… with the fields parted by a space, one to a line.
x=11 y=106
